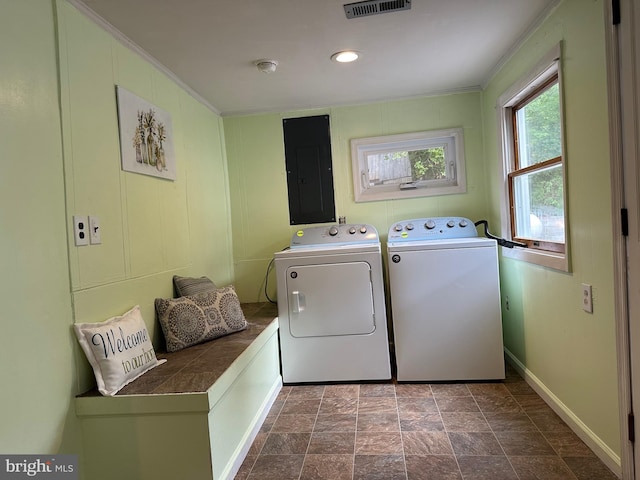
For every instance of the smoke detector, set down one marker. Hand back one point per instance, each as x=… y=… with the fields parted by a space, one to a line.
x=375 y=7
x=266 y=66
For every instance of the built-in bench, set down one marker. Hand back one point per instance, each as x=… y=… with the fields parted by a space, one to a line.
x=193 y=417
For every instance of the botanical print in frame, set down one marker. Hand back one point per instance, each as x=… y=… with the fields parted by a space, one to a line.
x=146 y=137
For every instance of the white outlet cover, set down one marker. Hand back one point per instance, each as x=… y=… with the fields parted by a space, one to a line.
x=80 y=230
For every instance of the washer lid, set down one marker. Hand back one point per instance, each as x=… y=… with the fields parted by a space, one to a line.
x=441 y=244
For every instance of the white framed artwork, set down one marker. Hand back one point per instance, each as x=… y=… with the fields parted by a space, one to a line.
x=146 y=136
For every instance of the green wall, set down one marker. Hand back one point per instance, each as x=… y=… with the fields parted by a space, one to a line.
x=151 y=228
x=36 y=357
x=257 y=175
x=571 y=353
x=60 y=156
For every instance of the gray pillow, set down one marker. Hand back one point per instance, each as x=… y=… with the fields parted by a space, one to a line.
x=190 y=286
x=194 y=319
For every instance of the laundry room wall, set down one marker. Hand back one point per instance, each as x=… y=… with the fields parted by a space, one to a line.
x=571 y=354
x=257 y=175
x=152 y=228
x=37 y=369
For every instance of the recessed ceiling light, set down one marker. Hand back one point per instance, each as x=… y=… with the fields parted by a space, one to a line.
x=345 y=56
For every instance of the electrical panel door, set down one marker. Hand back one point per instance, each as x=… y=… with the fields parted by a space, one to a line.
x=307 y=145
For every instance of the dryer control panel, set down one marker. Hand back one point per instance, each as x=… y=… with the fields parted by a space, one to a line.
x=434 y=228
x=342 y=234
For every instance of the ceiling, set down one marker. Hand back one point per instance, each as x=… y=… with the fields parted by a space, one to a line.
x=438 y=46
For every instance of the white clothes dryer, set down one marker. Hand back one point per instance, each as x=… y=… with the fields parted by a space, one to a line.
x=445 y=301
x=331 y=306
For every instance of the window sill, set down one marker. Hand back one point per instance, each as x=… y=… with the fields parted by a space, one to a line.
x=557 y=261
x=395 y=193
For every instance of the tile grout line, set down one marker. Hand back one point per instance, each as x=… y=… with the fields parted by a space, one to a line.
x=544 y=436
x=482 y=412
x=315 y=421
x=355 y=436
x=404 y=455
x=455 y=457
x=269 y=432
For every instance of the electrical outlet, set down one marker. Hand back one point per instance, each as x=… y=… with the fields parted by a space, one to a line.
x=95 y=233
x=80 y=230
x=587 y=298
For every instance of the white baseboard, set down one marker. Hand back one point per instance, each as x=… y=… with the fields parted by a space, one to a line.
x=608 y=456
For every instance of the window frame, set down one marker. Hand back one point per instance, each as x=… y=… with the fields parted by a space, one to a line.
x=361 y=147
x=548 y=254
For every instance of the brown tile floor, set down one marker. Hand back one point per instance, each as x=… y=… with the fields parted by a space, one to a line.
x=417 y=431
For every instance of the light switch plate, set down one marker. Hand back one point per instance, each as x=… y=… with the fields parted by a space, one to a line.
x=95 y=232
x=587 y=298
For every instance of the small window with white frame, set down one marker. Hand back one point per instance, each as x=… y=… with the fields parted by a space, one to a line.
x=531 y=124
x=408 y=165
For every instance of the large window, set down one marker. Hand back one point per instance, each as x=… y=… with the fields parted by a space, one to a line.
x=408 y=165
x=532 y=140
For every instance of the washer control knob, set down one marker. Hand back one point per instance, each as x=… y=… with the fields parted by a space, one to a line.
x=352 y=230
x=451 y=224
x=409 y=226
x=398 y=228
x=430 y=225
x=333 y=231
x=363 y=229
x=463 y=223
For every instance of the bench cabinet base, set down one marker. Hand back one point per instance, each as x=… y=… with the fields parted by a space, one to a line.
x=197 y=436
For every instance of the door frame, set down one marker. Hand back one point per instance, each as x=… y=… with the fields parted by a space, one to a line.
x=620 y=66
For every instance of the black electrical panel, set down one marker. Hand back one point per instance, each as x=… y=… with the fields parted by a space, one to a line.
x=307 y=148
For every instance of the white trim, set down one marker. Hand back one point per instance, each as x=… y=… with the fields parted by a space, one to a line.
x=131 y=45
x=546 y=67
x=615 y=70
x=536 y=76
x=600 y=448
x=539 y=257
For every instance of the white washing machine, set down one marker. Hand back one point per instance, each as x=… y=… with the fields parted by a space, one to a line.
x=331 y=306
x=445 y=301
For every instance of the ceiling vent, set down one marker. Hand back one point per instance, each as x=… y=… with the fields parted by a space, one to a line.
x=375 y=7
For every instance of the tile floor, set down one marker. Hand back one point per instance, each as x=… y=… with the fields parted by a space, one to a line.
x=417 y=431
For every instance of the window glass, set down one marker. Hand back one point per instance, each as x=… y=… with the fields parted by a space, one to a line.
x=408 y=165
x=538 y=128
x=539 y=205
x=536 y=183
